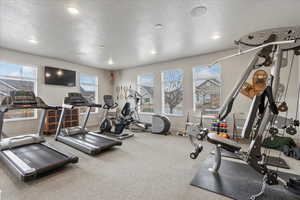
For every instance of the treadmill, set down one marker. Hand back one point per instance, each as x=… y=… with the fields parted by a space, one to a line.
x=29 y=156
x=79 y=137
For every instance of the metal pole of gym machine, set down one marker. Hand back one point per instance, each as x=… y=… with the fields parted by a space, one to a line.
x=2 y=111
x=275 y=79
x=239 y=84
x=255 y=145
x=87 y=116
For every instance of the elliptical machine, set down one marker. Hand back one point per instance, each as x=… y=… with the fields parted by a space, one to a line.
x=119 y=124
x=160 y=123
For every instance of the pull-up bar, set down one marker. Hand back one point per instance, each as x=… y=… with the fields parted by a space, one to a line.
x=253 y=49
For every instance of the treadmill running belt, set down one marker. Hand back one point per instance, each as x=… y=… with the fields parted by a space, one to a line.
x=94 y=140
x=38 y=156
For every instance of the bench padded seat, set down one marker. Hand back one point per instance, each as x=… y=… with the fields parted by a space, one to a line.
x=225 y=143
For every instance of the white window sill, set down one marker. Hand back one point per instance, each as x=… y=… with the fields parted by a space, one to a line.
x=147 y=113
x=92 y=113
x=20 y=119
x=209 y=117
x=173 y=115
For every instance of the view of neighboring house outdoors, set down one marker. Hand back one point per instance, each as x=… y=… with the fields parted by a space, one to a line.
x=145 y=87
x=89 y=89
x=172 y=84
x=207 y=89
x=17 y=77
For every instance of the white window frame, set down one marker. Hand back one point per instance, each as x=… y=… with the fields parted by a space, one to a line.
x=96 y=94
x=163 y=93
x=35 y=81
x=137 y=83
x=194 y=91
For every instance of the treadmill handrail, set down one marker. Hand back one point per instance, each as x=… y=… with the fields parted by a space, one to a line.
x=71 y=106
x=21 y=107
x=68 y=106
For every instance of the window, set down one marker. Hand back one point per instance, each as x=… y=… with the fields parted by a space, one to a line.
x=145 y=86
x=207 y=89
x=89 y=89
x=17 y=77
x=172 y=84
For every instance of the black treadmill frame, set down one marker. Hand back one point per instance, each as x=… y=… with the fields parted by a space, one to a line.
x=14 y=162
x=79 y=144
x=30 y=175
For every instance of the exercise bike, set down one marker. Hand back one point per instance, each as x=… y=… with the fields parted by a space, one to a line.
x=119 y=123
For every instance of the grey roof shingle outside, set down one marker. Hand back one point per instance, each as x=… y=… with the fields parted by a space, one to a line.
x=148 y=89
x=7 y=85
x=214 y=81
x=88 y=94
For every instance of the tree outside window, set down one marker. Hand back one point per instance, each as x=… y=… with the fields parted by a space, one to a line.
x=172 y=83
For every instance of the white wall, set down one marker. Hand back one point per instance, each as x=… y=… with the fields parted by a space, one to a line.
x=231 y=71
x=52 y=95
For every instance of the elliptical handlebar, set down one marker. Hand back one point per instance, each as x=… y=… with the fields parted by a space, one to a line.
x=105 y=106
x=94 y=105
x=116 y=105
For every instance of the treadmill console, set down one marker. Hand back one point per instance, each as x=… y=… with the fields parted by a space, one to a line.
x=19 y=98
x=76 y=99
x=23 y=97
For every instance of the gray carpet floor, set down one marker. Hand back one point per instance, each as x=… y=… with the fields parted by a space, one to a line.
x=145 y=167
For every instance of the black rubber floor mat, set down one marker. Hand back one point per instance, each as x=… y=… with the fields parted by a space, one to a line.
x=239 y=181
x=271 y=161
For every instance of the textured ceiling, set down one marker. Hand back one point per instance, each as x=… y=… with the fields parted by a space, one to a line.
x=126 y=28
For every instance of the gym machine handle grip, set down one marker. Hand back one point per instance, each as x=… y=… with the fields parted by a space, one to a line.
x=197 y=151
x=96 y=105
x=116 y=105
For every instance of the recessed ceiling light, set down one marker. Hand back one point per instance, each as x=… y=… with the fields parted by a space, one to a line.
x=33 y=41
x=198 y=11
x=73 y=11
x=215 y=37
x=153 y=52
x=158 y=26
x=110 y=61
